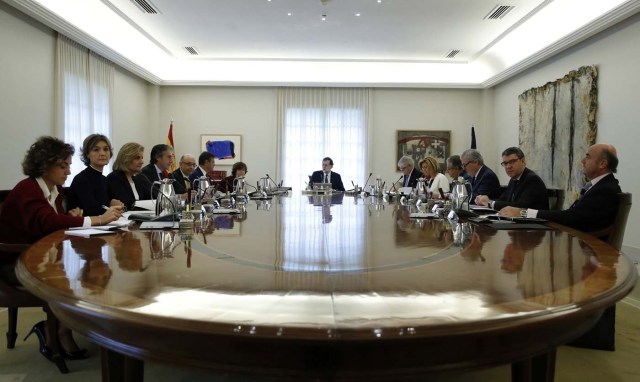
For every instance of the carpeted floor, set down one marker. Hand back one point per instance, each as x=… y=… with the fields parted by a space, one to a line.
x=24 y=363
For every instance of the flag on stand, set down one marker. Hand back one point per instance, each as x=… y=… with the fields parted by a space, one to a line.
x=473 y=137
x=170 y=143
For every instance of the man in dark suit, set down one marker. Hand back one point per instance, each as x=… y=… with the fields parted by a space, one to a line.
x=525 y=188
x=181 y=175
x=411 y=175
x=160 y=162
x=206 y=162
x=483 y=180
x=327 y=176
x=595 y=209
x=598 y=203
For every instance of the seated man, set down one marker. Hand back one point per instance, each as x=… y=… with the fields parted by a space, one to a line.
x=483 y=180
x=411 y=175
x=525 y=188
x=327 y=176
x=181 y=175
x=206 y=162
x=598 y=203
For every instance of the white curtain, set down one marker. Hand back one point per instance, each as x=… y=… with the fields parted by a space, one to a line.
x=84 y=83
x=313 y=124
x=322 y=122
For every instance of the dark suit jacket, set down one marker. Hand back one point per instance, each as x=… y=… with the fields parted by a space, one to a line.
x=150 y=172
x=119 y=188
x=529 y=192
x=413 y=178
x=89 y=192
x=27 y=216
x=197 y=173
x=595 y=210
x=336 y=180
x=179 y=185
x=486 y=183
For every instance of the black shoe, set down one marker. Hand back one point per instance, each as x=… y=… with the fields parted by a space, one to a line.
x=74 y=355
x=38 y=329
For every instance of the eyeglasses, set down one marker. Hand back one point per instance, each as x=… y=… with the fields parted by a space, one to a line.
x=464 y=165
x=509 y=162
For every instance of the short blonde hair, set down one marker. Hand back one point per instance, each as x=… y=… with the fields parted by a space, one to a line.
x=128 y=152
x=432 y=164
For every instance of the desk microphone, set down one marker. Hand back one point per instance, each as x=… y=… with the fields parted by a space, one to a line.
x=396 y=182
x=365 y=183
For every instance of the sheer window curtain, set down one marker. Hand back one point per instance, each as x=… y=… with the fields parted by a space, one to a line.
x=84 y=84
x=313 y=124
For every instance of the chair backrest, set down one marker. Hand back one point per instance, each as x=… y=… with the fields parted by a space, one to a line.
x=615 y=233
x=217 y=174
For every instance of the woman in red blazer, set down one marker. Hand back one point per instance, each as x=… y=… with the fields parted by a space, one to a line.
x=34 y=209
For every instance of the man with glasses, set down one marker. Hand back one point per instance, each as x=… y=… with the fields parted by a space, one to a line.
x=525 y=189
x=411 y=175
x=454 y=169
x=483 y=180
x=181 y=175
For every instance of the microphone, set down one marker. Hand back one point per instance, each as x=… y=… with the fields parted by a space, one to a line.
x=272 y=181
x=396 y=182
x=365 y=183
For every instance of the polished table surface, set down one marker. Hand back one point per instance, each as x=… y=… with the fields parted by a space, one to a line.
x=336 y=288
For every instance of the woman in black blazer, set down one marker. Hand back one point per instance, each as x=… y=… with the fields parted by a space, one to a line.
x=123 y=183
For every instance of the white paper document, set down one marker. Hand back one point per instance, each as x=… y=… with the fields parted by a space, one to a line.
x=88 y=232
x=146 y=204
x=159 y=225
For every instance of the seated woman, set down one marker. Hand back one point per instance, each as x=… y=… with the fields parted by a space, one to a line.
x=437 y=180
x=88 y=190
x=238 y=169
x=122 y=183
x=33 y=209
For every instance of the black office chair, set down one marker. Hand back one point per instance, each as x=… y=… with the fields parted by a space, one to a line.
x=603 y=334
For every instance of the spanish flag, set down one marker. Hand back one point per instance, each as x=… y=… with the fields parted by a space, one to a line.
x=170 y=143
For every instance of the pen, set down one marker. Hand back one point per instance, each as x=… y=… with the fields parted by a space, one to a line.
x=105 y=207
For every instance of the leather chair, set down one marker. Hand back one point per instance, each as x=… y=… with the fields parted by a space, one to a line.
x=602 y=335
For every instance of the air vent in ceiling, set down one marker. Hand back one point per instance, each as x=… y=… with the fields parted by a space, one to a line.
x=192 y=50
x=145 y=6
x=499 y=12
x=453 y=53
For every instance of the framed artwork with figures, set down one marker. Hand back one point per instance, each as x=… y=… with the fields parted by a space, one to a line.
x=419 y=144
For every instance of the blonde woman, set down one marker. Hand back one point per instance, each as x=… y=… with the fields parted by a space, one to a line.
x=124 y=183
x=437 y=180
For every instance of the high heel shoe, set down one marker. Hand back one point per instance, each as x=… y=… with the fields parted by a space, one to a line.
x=38 y=329
x=74 y=355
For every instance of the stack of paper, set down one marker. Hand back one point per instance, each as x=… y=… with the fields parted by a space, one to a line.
x=88 y=232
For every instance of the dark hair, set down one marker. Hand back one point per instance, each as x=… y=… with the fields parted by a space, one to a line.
x=612 y=160
x=90 y=142
x=455 y=161
x=513 y=150
x=238 y=166
x=329 y=159
x=45 y=153
x=157 y=151
x=205 y=156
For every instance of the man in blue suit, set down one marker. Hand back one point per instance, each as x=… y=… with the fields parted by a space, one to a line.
x=327 y=176
x=206 y=162
x=483 y=180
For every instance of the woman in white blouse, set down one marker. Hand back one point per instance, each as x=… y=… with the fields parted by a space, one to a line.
x=437 y=180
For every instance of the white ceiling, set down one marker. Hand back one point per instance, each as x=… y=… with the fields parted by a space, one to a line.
x=391 y=43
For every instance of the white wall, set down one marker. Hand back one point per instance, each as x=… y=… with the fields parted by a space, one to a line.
x=617 y=55
x=27 y=106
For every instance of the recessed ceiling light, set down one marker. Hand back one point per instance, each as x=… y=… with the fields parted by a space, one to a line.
x=379 y=1
x=357 y=15
x=324 y=16
x=289 y=13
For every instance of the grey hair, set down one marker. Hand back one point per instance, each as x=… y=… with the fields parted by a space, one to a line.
x=405 y=161
x=472 y=155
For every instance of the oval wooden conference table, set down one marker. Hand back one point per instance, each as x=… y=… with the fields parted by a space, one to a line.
x=325 y=288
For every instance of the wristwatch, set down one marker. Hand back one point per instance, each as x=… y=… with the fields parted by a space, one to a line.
x=523 y=213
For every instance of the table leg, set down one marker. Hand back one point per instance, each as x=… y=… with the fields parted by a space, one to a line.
x=121 y=368
x=538 y=368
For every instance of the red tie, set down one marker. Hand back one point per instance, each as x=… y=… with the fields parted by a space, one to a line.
x=165 y=174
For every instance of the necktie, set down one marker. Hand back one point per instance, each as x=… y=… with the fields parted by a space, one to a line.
x=585 y=188
x=160 y=175
x=326 y=178
x=512 y=197
x=406 y=181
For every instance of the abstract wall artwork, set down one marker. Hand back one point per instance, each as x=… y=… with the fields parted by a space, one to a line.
x=226 y=148
x=419 y=144
x=557 y=126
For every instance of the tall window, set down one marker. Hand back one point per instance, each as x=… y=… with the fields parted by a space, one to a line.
x=320 y=122
x=84 y=83
x=313 y=124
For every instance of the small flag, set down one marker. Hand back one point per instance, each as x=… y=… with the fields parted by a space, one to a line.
x=473 y=137
x=170 y=143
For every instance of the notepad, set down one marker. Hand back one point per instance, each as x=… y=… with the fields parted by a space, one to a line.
x=88 y=232
x=159 y=225
x=422 y=215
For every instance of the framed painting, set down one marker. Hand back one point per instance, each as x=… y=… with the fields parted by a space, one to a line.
x=419 y=144
x=226 y=148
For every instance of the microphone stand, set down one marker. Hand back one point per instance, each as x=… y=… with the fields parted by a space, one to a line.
x=396 y=182
x=365 y=183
